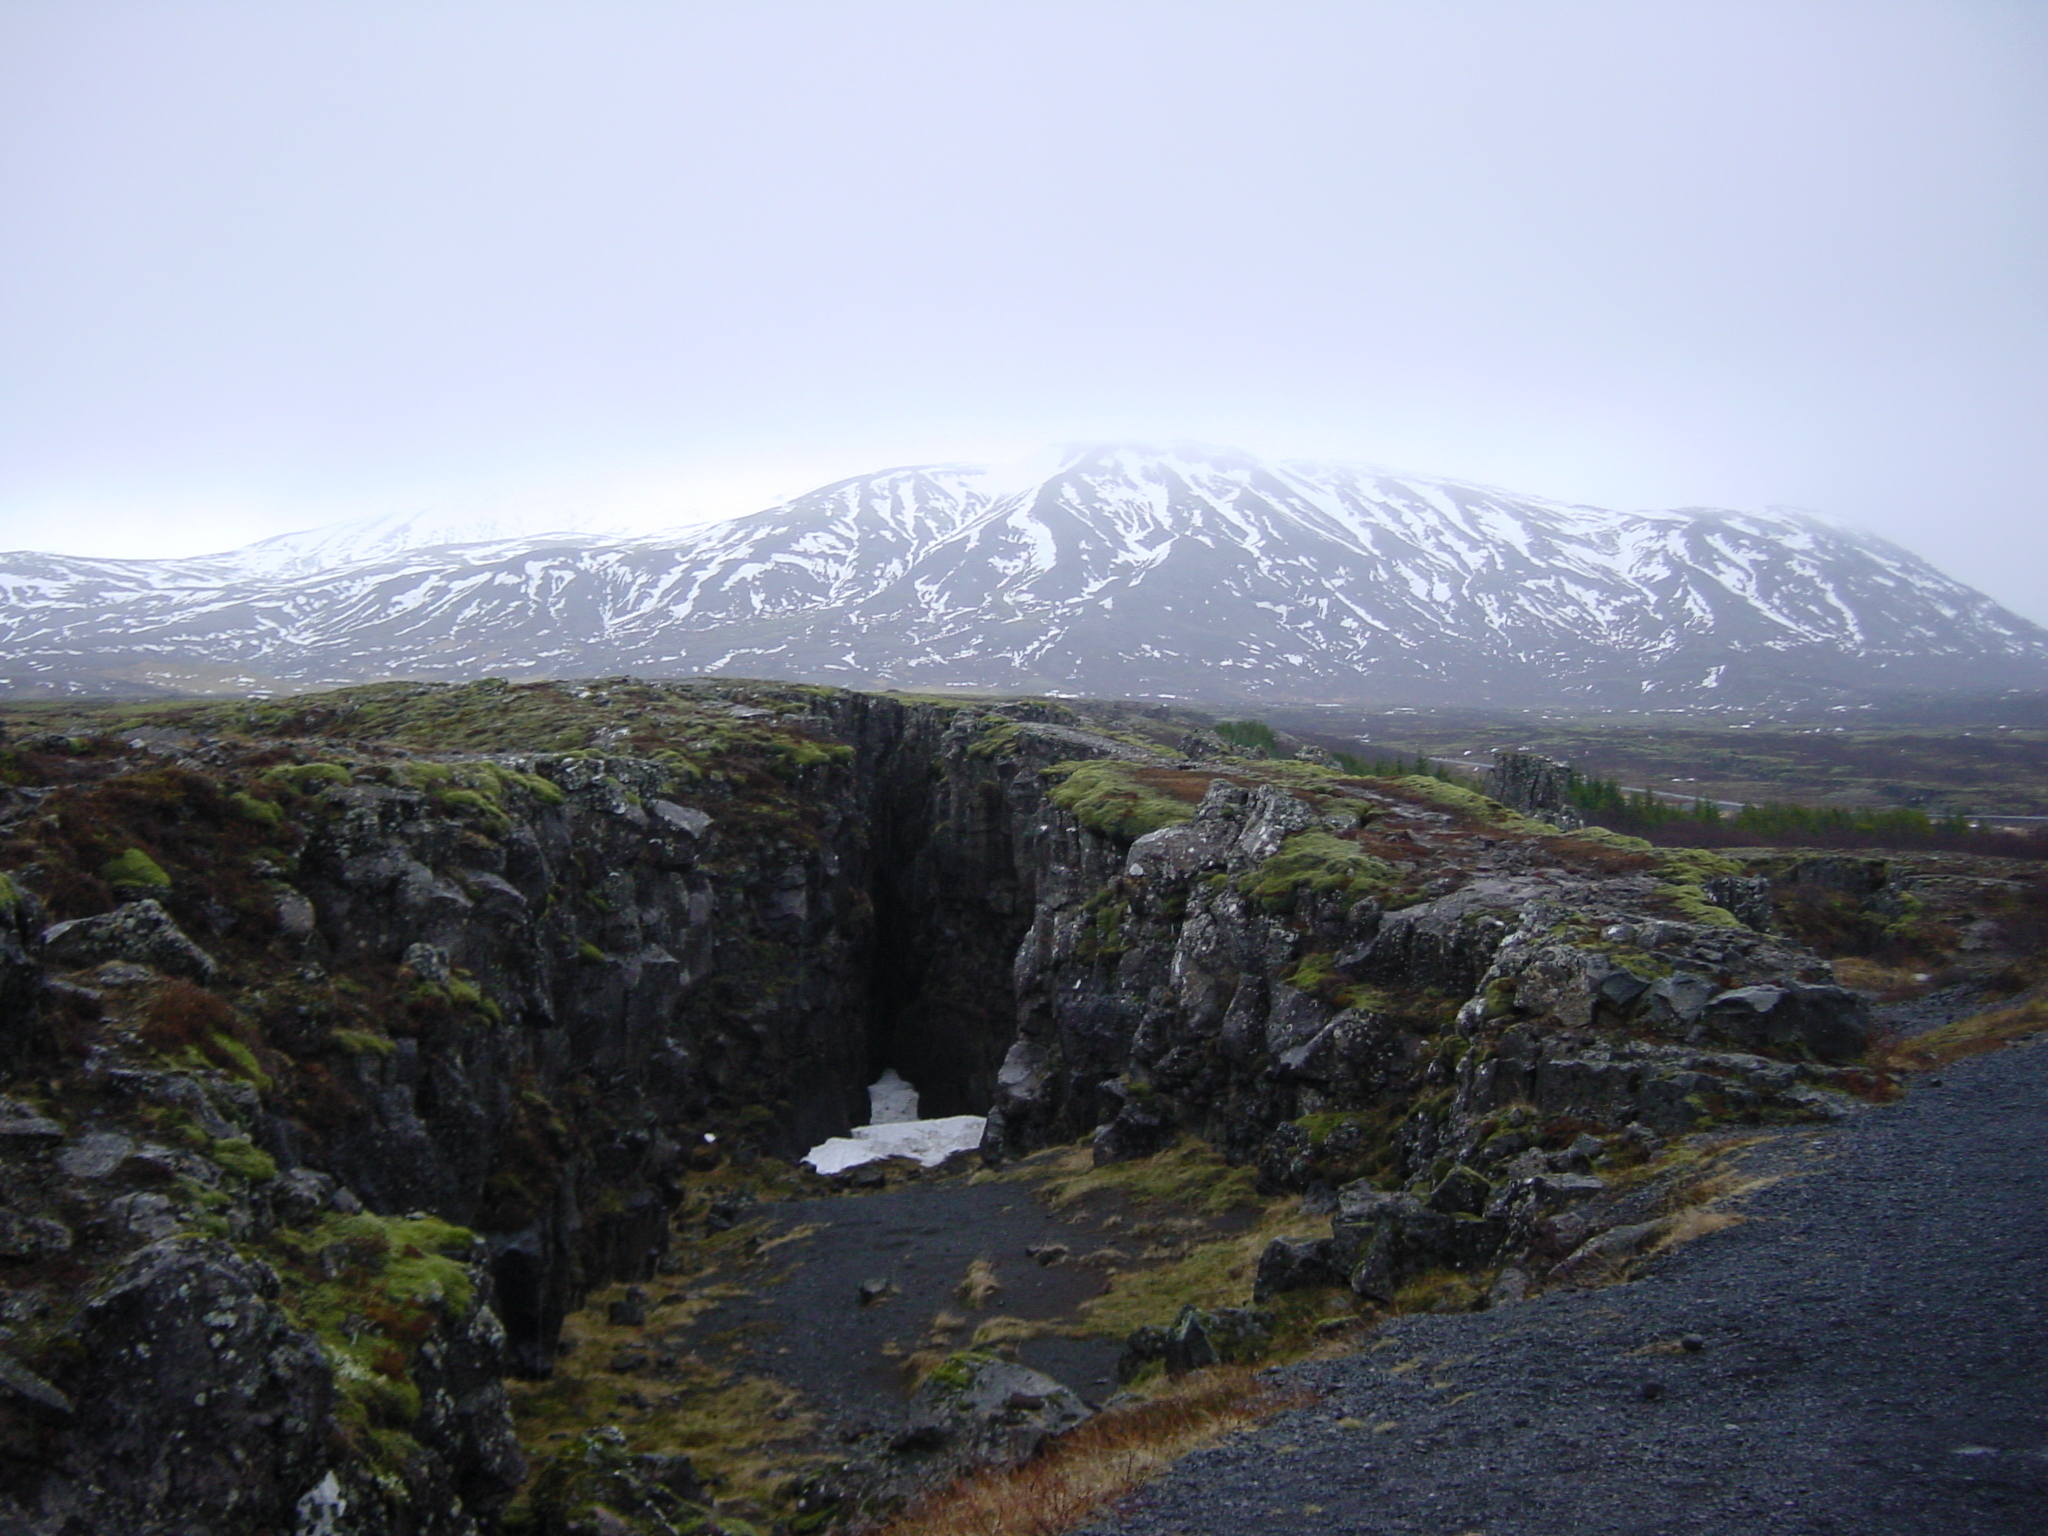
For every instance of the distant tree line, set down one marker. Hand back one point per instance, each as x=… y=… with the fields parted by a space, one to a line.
x=1395 y=767
x=1703 y=823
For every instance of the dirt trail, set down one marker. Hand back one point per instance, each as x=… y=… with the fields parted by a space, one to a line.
x=1871 y=1348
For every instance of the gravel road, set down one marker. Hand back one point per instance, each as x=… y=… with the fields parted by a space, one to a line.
x=1871 y=1357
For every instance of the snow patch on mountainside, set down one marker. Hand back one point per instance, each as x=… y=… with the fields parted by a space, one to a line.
x=1181 y=573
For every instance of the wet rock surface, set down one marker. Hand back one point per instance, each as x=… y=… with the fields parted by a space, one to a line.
x=1861 y=1355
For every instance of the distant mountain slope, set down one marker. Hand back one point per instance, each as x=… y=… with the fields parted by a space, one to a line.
x=1113 y=571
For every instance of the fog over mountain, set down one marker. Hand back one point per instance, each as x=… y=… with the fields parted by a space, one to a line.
x=1194 y=574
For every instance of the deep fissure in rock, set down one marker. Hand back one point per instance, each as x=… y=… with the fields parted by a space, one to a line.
x=949 y=912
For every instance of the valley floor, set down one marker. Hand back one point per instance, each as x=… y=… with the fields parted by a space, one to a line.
x=1869 y=1353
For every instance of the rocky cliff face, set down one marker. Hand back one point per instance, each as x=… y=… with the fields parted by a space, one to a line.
x=1320 y=962
x=350 y=1040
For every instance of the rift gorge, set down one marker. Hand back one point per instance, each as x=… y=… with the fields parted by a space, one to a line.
x=710 y=1105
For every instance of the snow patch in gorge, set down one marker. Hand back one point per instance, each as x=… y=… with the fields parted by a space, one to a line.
x=893 y=1130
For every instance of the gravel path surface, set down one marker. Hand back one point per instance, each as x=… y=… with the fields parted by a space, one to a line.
x=1872 y=1358
x=803 y=1321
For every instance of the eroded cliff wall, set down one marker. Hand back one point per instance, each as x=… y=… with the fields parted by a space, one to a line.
x=373 y=1030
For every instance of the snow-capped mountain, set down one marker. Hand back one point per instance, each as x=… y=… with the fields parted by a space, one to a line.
x=1192 y=574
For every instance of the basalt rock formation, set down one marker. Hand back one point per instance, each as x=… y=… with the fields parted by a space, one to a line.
x=351 y=1040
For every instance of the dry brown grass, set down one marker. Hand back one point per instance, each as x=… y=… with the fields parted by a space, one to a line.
x=1106 y=1458
x=998 y=1331
x=1180 y=783
x=1887 y=983
x=1973 y=1036
x=1698 y=1222
x=979 y=1286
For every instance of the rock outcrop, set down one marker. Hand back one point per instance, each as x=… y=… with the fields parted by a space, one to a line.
x=438 y=993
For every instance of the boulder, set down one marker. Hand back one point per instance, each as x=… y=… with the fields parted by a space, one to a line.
x=1135 y=1132
x=992 y=1410
x=1606 y=1255
x=1534 y=785
x=141 y=933
x=1832 y=1023
x=1461 y=1192
x=198 y=1404
x=1383 y=1240
x=1198 y=1339
x=629 y=1310
x=1295 y=1264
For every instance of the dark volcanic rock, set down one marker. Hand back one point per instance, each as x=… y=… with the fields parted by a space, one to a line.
x=199 y=1404
x=141 y=933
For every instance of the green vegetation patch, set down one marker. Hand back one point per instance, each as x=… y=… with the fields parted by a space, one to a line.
x=1683 y=872
x=996 y=737
x=133 y=867
x=372 y=1289
x=1474 y=806
x=1190 y=1173
x=1107 y=797
x=243 y=1158
x=265 y=813
x=1316 y=862
x=307 y=778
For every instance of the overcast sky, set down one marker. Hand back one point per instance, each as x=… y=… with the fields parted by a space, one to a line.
x=269 y=265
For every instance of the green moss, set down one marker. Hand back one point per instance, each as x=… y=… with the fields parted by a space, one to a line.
x=265 y=813
x=1106 y=796
x=243 y=1158
x=545 y=791
x=363 y=1042
x=796 y=753
x=1189 y=1173
x=1311 y=972
x=1687 y=901
x=590 y=953
x=1607 y=839
x=957 y=1371
x=1355 y=1144
x=996 y=737
x=306 y=778
x=1318 y=862
x=372 y=1289
x=1692 y=866
x=1683 y=871
x=1474 y=806
x=133 y=867
x=1103 y=939
x=472 y=804
x=223 y=1046
x=10 y=898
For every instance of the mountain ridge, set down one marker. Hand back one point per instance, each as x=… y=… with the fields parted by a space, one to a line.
x=1115 y=570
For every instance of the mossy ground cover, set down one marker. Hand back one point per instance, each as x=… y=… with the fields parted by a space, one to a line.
x=1107 y=796
x=372 y=1290
x=1317 y=863
x=746 y=1433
